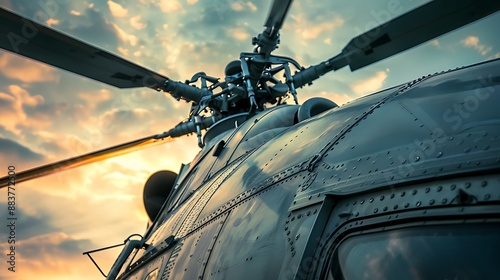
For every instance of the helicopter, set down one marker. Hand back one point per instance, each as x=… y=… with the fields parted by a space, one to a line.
x=307 y=207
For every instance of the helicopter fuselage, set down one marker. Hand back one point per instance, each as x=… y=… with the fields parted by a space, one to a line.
x=282 y=198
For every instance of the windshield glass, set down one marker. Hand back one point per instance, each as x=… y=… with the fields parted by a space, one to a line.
x=445 y=252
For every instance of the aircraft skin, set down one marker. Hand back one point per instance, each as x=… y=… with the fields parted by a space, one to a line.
x=280 y=195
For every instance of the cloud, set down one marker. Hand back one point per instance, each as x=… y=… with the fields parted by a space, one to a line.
x=13 y=107
x=125 y=37
x=52 y=22
x=25 y=70
x=92 y=27
x=117 y=10
x=136 y=23
x=29 y=224
x=170 y=6
x=314 y=31
x=473 y=42
x=241 y=6
x=435 y=43
x=14 y=153
x=496 y=55
x=238 y=33
x=52 y=256
x=370 y=84
x=93 y=98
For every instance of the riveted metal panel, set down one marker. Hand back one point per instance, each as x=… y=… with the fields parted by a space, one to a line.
x=304 y=229
x=461 y=198
x=252 y=243
x=194 y=252
x=416 y=134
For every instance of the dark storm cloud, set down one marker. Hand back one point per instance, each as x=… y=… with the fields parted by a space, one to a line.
x=96 y=30
x=90 y=26
x=56 y=244
x=16 y=152
x=213 y=17
x=27 y=225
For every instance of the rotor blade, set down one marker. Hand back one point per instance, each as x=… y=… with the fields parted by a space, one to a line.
x=408 y=30
x=277 y=14
x=413 y=28
x=25 y=37
x=85 y=159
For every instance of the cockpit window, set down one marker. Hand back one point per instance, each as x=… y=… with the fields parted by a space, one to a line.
x=445 y=252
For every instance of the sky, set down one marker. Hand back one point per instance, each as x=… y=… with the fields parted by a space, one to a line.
x=48 y=114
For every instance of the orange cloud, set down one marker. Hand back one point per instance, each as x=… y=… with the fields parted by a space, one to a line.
x=13 y=113
x=473 y=42
x=370 y=84
x=51 y=256
x=137 y=23
x=238 y=33
x=170 y=6
x=124 y=36
x=309 y=30
x=117 y=10
x=25 y=70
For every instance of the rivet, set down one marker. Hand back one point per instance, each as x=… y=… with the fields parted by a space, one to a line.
x=484 y=183
x=418 y=203
x=427 y=190
x=297 y=236
x=288 y=233
x=444 y=200
x=292 y=219
x=371 y=200
x=356 y=214
x=382 y=198
x=407 y=205
x=299 y=216
x=362 y=201
x=487 y=196
x=431 y=202
x=467 y=185
x=414 y=192
x=385 y=208
x=466 y=150
x=392 y=195
x=375 y=210
x=403 y=194
x=453 y=187
x=395 y=207
x=417 y=158
x=439 y=154
x=439 y=188
x=315 y=211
